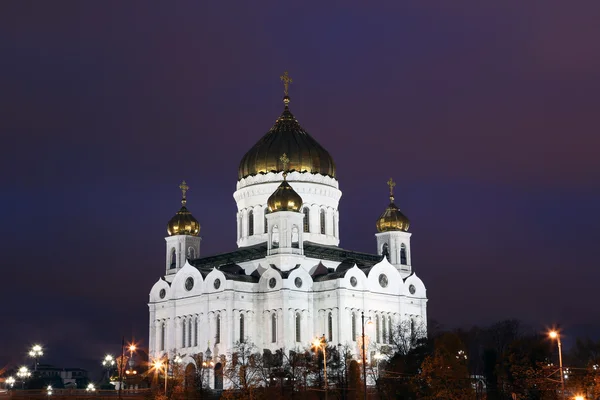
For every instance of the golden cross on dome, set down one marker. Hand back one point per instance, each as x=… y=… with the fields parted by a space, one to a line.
x=285 y=161
x=391 y=184
x=184 y=188
x=286 y=82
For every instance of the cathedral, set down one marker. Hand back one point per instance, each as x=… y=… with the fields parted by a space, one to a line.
x=288 y=281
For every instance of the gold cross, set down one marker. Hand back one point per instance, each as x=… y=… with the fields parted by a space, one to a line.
x=391 y=184
x=285 y=161
x=184 y=188
x=286 y=82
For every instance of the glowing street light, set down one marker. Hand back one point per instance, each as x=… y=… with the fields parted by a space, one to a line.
x=90 y=388
x=23 y=373
x=108 y=363
x=158 y=365
x=321 y=343
x=555 y=335
x=10 y=381
x=579 y=397
x=36 y=352
x=49 y=390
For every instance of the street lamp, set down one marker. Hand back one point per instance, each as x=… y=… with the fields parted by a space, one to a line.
x=10 y=381
x=579 y=397
x=364 y=353
x=555 y=335
x=36 y=352
x=90 y=388
x=108 y=363
x=23 y=373
x=321 y=343
x=158 y=365
x=49 y=390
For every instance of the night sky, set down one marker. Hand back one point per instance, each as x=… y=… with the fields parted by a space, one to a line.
x=485 y=114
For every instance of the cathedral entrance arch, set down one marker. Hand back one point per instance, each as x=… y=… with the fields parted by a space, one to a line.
x=190 y=378
x=218 y=376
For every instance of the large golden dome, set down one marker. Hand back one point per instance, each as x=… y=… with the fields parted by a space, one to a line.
x=183 y=223
x=392 y=219
x=286 y=136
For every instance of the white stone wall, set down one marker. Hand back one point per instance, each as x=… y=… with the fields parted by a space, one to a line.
x=313 y=301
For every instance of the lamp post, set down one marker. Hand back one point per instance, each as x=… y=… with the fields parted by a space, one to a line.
x=10 y=381
x=321 y=343
x=158 y=365
x=364 y=358
x=36 y=352
x=23 y=373
x=108 y=363
x=555 y=335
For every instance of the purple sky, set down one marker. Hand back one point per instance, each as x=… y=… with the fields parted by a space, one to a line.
x=485 y=114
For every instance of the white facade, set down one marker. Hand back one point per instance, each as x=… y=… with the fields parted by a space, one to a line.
x=287 y=283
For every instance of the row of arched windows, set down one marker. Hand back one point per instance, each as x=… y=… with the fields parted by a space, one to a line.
x=385 y=250
x=297 y=326
x=383 y=329
x=189 y=332
x=306 y=223
x=191 y=326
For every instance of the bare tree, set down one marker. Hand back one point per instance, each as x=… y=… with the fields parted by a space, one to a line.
x=243 y=371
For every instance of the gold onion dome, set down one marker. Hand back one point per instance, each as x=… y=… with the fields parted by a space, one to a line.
x=183 y=223
x=392 y=219
x=285 y=197
x=286 y=136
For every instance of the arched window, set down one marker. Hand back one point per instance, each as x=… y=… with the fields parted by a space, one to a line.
x=403 y=254
x=266 y=223
x=295 y=239
x=218 y=330
x=273 y=328
x=242 y=328
x=385 y=251
x=191 y=253
x=377 y=329
x=196 y=332
x=384 y=326
x=334 y=224
x=190 y=332
x=183 y=328
x=162 y=336
x=173 y=258
x=391 y=329
x=298 y=321
x=306 y=224
x=275 y=237
x=322 y=221
x=353 y=327
x=330 y=327
x=239 y=221
x=250 y=223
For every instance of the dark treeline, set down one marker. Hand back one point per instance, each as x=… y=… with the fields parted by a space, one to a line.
x=503 y=361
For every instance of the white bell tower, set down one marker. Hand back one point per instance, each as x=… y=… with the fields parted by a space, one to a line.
x=183 y=242
x=393 y=238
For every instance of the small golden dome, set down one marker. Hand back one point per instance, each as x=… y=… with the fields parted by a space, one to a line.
x=285 y=197
x=392 y=219
x=183 y=223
